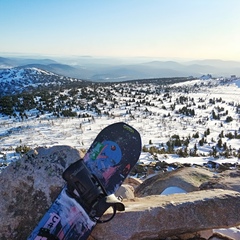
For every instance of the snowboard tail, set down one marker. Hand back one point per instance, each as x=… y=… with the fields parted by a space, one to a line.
x=90 y=185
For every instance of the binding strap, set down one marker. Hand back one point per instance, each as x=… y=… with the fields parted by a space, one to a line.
x=110 y=201
x=88 y=191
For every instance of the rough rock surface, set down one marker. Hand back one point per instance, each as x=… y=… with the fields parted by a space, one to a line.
x=29 y=186
x=158 y=217
x=134 y=182
x=188 y=179
x=229 y=179
x=125 y=191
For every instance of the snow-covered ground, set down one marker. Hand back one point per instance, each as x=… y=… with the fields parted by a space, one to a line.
x=153 y=127
x=66 y=131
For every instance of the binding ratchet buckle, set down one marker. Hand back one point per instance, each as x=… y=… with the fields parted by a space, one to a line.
x=88 y=191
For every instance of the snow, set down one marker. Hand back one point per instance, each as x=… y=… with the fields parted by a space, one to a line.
x=80 y=132
x=231 y=232
x=237 y=82
x=18 y=74
x=173 y=190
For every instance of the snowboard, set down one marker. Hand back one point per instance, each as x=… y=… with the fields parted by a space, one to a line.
x=90 y=186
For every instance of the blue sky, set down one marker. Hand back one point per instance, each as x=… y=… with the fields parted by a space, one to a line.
x=191 y=29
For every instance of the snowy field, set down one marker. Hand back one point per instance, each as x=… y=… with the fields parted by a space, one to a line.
x=80 y=132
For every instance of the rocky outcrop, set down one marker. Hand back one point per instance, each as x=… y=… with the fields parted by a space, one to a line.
x=125 y=191
x=188 y=179
x=134 y=182
x=229 y=179
x=29 y=186
x=159 y=217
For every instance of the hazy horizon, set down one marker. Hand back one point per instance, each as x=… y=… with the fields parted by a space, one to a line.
x=136 y=59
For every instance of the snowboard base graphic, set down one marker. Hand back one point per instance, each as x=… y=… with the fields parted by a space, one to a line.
x=91 y=184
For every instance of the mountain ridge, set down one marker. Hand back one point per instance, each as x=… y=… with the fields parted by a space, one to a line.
x=109 y=71
x=19 y=79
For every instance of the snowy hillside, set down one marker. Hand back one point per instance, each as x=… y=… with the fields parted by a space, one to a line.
x=194 y=121
x=16 y=80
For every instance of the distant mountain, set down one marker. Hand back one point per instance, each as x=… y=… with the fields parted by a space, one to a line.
x=216 y=67
x=7 y=63
x=197 y=68
x=160 y=69
x=16 y=62
x=154 y=69
x=215 y=63
x=34 y=61
x=16 y=80
x=63 y=69
x=164 y=64
x=97 y=70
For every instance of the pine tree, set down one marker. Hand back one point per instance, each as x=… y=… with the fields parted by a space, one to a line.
x=219 y=144
x=221 y=135
x=201 y=142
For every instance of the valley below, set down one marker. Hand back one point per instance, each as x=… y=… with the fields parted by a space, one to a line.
x=191 y=121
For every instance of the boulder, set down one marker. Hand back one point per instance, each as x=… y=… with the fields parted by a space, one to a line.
x=125 y=191
x=188 y=179
x=159 y=217
x=29 y=186
x=134 y=182
x=229 y=179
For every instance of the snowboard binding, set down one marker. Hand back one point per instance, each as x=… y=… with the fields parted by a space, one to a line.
x=86 y=189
